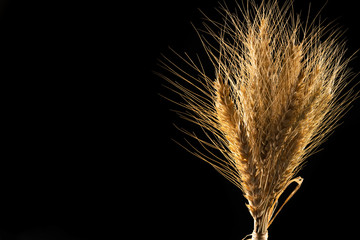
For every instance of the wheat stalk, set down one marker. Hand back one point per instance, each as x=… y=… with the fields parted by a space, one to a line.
x=276 y=93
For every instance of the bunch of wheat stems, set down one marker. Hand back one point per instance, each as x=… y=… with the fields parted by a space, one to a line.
x=276 y=91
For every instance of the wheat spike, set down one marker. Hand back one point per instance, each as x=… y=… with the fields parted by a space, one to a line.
x=276 y=92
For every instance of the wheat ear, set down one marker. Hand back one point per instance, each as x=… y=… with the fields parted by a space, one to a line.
x=272 y=99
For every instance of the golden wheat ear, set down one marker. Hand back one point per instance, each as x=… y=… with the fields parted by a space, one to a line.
x=277 y=88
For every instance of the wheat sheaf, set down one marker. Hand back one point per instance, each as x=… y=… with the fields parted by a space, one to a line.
x=277 y=88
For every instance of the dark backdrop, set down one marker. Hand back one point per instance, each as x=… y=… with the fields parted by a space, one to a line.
x=60 y=143
x=87 y=150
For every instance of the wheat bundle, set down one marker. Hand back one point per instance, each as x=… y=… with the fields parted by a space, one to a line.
x=276 y=92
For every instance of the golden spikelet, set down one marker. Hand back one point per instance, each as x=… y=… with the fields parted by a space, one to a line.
x=273 y=97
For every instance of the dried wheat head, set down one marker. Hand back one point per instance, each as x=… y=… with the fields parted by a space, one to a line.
x=275 y=92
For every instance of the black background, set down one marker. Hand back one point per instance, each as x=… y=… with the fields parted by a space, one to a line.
x=87 y=150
